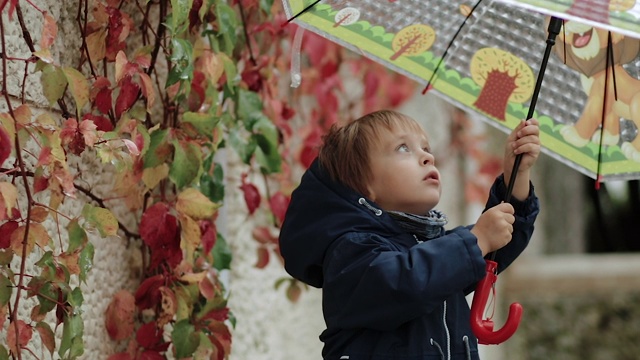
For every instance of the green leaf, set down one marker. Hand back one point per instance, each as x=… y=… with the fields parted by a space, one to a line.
x=77 y=235
x=159 y=150
x=204 y=123
x=267 y=155
x=180 y=13
x=222 y=255
x=6 y=288
x=212 y=184
x=182 y=60
x=72 y=332
x=53 y=83
x=78 y=85
x=185 y=339
x=227 y=25
x=230 y=70
x=4 y=354
x=244 y=148
x=266 y=5
x=47 y=297
x=100 y=218
x=249 y=108
x=6 y=255
x=186 y=163
x=86 y=261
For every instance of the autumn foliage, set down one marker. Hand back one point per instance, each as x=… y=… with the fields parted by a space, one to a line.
x=154 y=91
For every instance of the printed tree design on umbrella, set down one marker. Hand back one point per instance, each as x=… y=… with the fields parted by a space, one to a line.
x=412 y=40
x=503 y=78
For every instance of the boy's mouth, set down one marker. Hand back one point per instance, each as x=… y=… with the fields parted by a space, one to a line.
x=432 y=175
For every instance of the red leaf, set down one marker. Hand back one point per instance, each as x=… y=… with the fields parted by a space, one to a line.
x=263 y=257
x=103 y=100
x=148 y=335
x=23 y=336
x=263 y=235
x=148 y=294
x=119 y=316
x=5 y=146
x=251 y=195
x=5 y=233
x=209 y=235
x=157 y=226
x=101 y=122
x=127 y=97
x=279 y=204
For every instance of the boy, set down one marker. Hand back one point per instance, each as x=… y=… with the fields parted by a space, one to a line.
x=362 y=226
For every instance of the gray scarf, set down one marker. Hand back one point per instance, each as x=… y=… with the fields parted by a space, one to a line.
x=425 y=226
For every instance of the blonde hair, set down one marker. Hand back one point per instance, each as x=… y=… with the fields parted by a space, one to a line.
x=345 y=151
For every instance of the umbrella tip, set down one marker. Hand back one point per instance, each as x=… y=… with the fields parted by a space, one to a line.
x=427 y=88
x=598 y=182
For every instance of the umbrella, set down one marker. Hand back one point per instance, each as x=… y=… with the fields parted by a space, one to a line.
x=483 y=56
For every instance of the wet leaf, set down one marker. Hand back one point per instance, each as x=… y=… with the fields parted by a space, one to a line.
x=9 y=198
x=85 y=262
x=221 y=254
x=96 y=44
x=101 y=219
x=77 y=235
x=263 y=257
x=127 y=96
x=6 y=230
x=152 y=176
x=279 y=203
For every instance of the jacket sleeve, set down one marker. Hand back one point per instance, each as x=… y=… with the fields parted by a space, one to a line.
x=371 y=283
x=525 y=213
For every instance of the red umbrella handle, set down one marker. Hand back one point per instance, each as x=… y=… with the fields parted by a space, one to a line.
x=483 y=328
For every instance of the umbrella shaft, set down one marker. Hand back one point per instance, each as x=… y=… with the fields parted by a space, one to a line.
x=555 y=25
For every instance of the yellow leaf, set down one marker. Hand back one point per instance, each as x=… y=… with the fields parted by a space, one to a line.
x=44 y=55
x=121 y=64
x=147 y=90
x=152 y=176
x=9 y=195
x=22 y=114
x=193 y=203
x=49 y=31
x=193 y=277
x=37 y=235
x=39 y=214
x=212 y=66
x=78 y=86
x=96 y=45
x=189 y=236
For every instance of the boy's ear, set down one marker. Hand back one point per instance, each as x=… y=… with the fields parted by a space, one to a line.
x=370 y=193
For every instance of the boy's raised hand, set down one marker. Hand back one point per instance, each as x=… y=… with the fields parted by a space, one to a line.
x=494 y=228
x=525 y=140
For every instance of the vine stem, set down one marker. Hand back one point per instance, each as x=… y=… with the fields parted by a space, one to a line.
x=21 y=165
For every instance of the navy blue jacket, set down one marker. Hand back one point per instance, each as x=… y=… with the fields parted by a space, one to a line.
x=386 y=296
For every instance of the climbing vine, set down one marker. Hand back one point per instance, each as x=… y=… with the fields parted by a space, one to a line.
x=150 y=94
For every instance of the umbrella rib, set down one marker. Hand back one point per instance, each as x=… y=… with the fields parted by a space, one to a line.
x=609 y=63
x=300 y=13
x=446 y=50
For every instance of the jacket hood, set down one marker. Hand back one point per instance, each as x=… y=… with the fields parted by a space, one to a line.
x=321 y=210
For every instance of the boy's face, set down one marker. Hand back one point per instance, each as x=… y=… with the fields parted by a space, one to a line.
x=404 y=175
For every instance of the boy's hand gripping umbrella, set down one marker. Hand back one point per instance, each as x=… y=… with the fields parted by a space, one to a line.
x=483 y=328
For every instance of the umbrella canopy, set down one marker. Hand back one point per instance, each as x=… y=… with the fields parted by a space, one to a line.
x=484 y=56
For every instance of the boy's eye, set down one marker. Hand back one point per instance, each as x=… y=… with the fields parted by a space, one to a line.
x=403 y=148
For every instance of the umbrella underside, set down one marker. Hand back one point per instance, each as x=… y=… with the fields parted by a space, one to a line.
x=492 y=67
